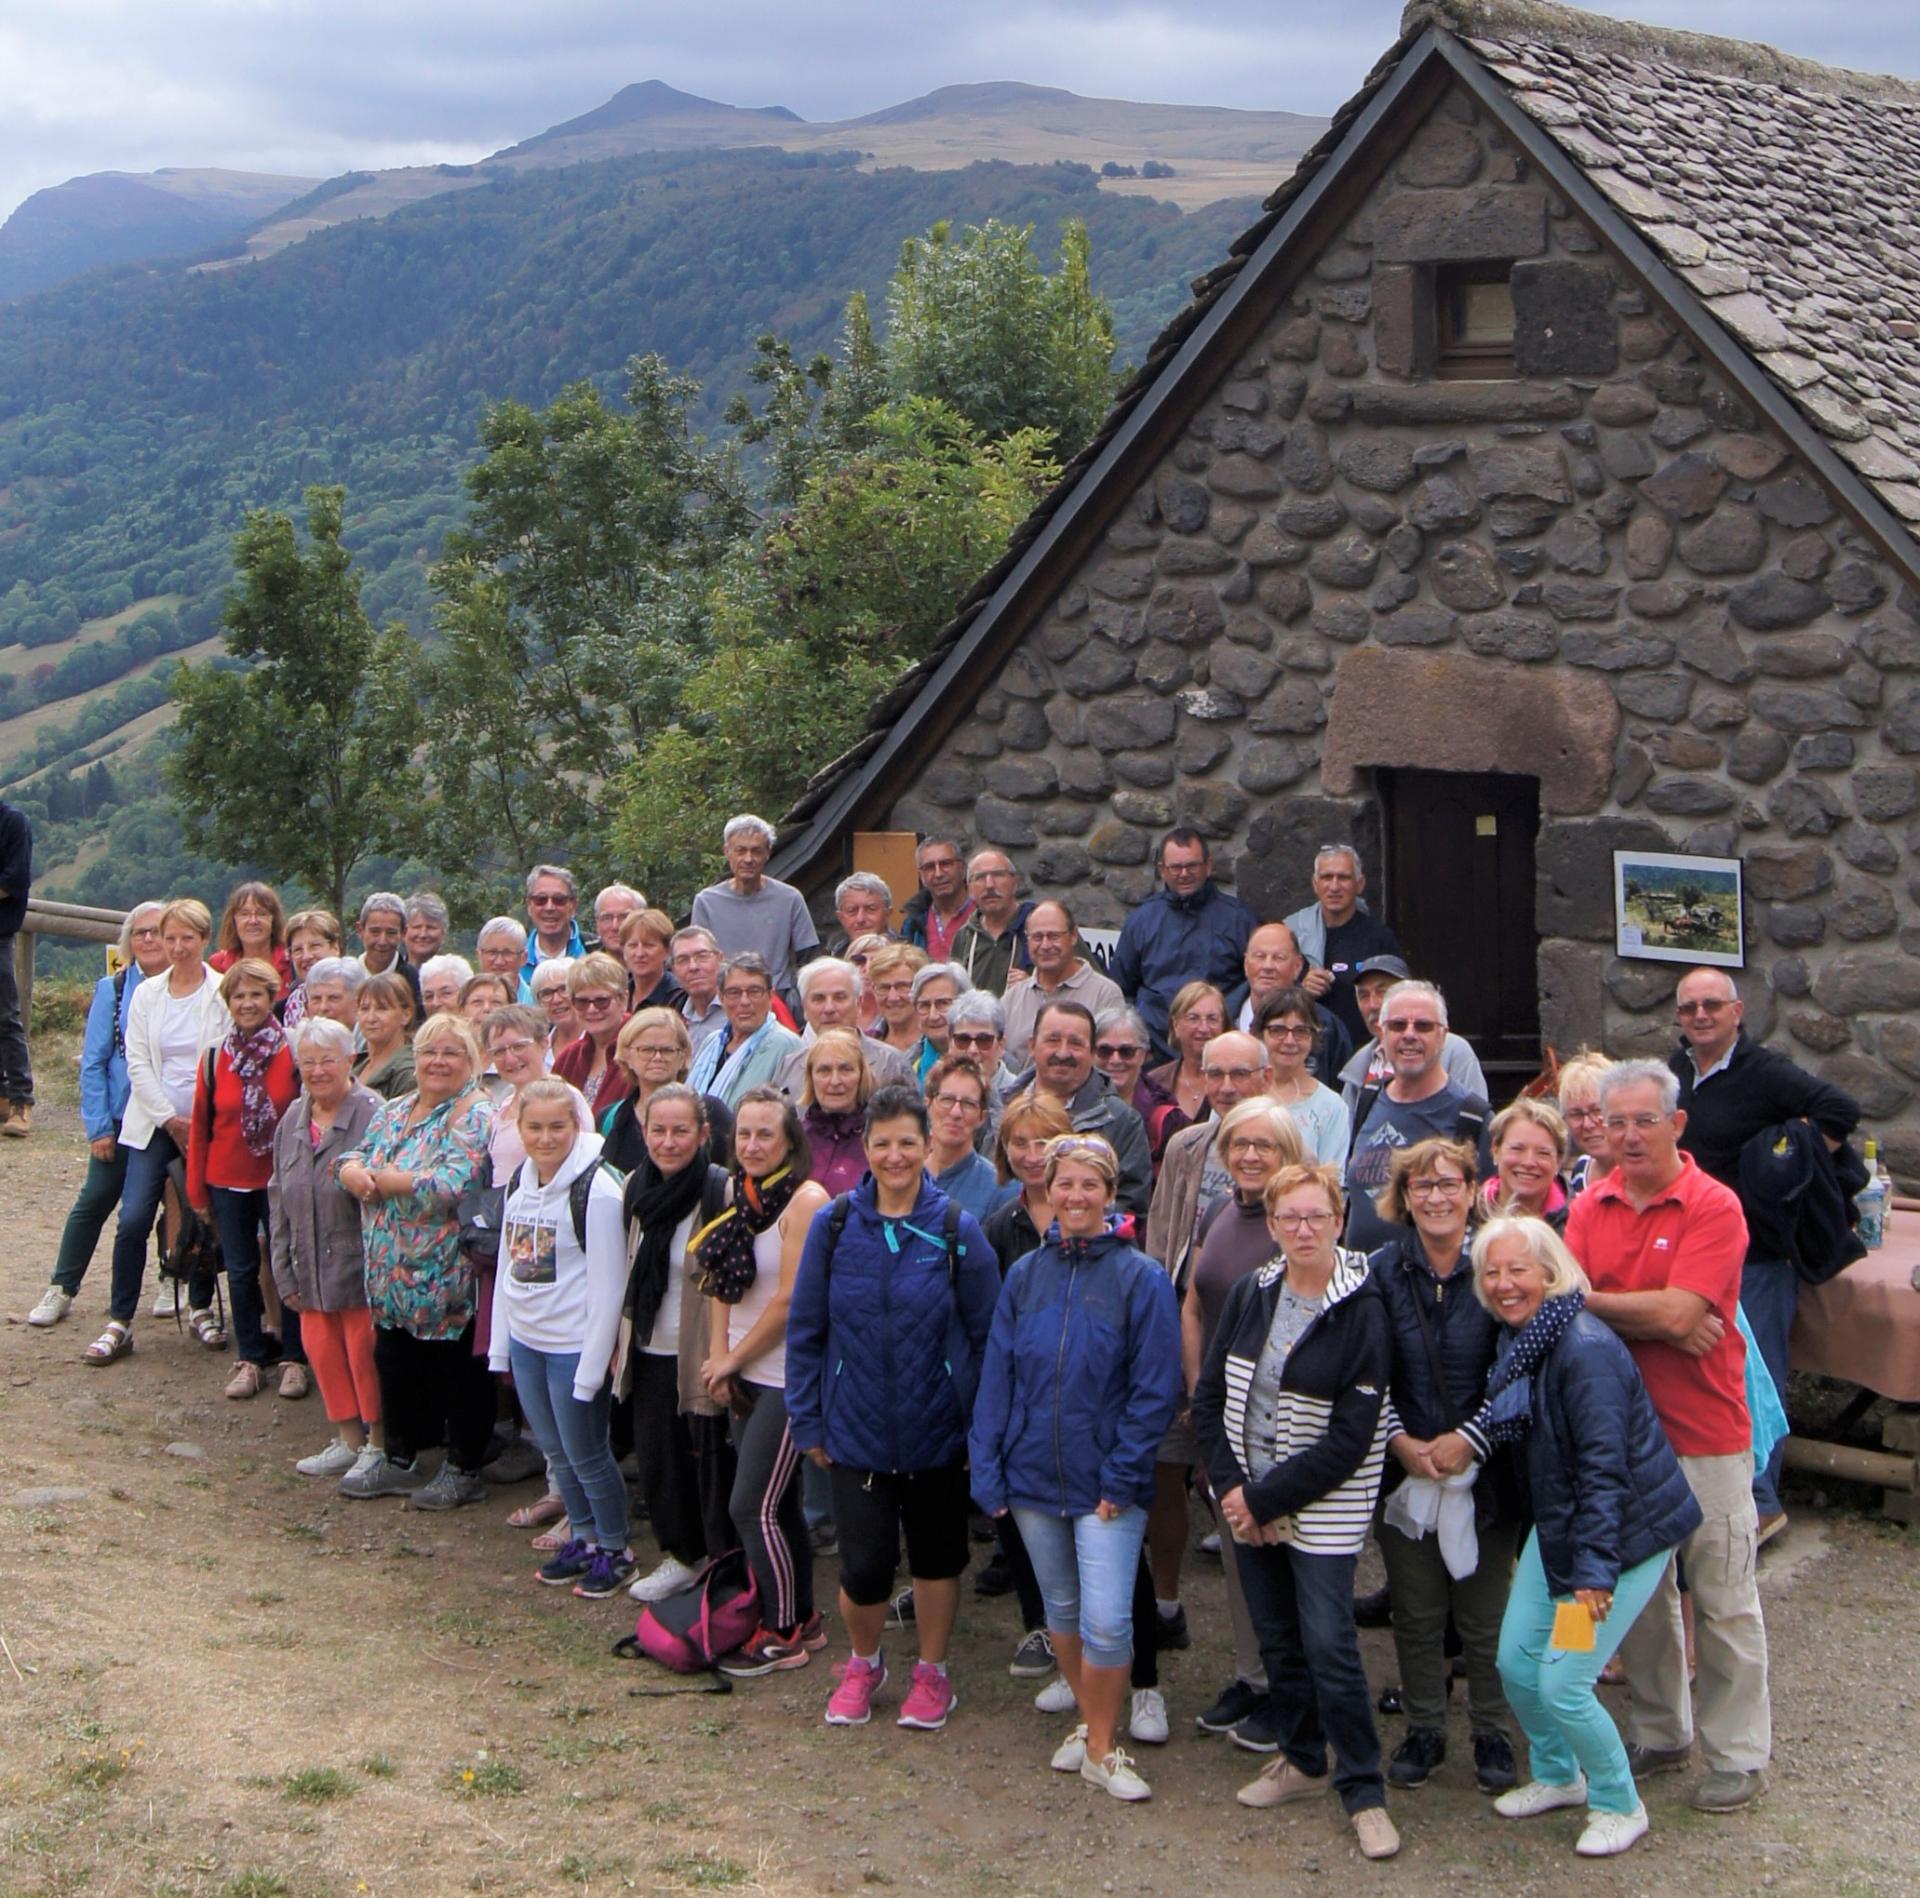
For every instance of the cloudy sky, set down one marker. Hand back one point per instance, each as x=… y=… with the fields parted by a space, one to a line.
x=314 y=87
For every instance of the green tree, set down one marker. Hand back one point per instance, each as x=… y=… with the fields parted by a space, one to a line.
x=975 y=322
x=571 y=607
x=303 y=762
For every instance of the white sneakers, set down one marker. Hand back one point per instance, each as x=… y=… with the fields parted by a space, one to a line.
x=168 y=1300
x=1055 y=1697
x=1149 y=1721
x=668 y=1579
x=1610 y=1833
x=53 y=1306
x=1538 y=1796
x=1071 y=1754
x=1115 y=1776
x=335 y=1460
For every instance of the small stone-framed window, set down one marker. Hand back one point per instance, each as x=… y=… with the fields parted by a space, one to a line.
x=1473 y=322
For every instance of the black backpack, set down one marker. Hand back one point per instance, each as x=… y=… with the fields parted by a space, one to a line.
x=482 y=1211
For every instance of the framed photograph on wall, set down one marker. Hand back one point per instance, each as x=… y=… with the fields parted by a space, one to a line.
x=1678 y=909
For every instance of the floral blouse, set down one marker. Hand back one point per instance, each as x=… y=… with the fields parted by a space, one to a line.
x=417 y=1278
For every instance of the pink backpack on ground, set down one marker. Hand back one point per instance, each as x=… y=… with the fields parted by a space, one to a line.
x=699 y=1625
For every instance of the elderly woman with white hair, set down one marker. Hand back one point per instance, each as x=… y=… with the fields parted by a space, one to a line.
x=314 y=1243
x=499 y=947
x=103 y=1105
x=333 y=988
x=936 y=988
x=750 y=911
x=442 y=978
x=427 y=925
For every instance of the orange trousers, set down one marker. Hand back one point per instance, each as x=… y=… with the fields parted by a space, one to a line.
x=339 y=1348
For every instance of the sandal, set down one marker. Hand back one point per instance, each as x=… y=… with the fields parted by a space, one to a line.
x=207 y=1328
x=533 y=1515
x=115 y=1342
x=551 y=1540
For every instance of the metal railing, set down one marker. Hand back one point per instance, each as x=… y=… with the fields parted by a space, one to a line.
x=75 y=921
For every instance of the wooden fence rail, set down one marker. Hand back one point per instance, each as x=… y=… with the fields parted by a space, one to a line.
x=75 y=921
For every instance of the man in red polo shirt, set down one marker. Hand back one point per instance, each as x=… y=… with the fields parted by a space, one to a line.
x=1663 y=1244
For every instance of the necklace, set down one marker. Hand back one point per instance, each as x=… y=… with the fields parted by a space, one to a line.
x=1298 y=1088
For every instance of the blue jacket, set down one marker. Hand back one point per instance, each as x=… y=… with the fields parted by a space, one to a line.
x=575 y=949
x=103 y=1056
x=1606 y=1488
x=1171 y=940
x=883 y=1353
x=1082 y=1379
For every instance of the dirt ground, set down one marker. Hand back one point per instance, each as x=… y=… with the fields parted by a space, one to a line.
x=221 y=1679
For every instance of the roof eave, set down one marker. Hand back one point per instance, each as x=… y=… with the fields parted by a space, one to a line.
x=1687 y=307
x=798 y=861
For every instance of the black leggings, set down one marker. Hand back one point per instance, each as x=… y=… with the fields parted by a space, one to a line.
x=434 y=1390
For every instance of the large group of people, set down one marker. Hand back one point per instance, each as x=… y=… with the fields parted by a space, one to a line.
x=951 y=1232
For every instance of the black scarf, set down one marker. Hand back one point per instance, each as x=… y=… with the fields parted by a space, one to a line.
x=1509 y=1413
x=655 y=1204
x=721 y=1255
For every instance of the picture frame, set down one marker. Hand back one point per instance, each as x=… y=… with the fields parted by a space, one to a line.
x=1673 y=908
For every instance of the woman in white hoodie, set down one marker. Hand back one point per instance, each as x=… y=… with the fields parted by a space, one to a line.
x=556 y=1314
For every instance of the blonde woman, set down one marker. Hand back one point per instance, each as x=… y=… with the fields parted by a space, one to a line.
x=1530 y=1150
x=1586 y=1121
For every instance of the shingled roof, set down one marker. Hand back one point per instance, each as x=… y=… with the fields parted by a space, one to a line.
x=1772 y=203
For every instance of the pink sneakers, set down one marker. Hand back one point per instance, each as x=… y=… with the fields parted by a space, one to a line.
x=851 y=1704
x=929 y=1700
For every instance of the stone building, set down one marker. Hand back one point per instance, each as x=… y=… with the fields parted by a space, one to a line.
x=1538 y=478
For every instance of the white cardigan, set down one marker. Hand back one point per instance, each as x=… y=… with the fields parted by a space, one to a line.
x=148 y=1107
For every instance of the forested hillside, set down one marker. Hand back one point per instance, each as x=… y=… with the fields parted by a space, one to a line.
x=143 y=412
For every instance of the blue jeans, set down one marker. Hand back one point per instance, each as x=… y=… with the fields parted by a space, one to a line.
x=239 y=1217
x=575 y=1438
x=1301 y=1607
x=1551 y=1692
x=1086 y=1570
x=1769 y=1295
x=139 y=1207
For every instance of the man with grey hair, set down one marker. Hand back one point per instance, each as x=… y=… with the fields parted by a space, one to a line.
x=830 y=998
x=1663 y=1244
x=1418 y=1101
x=553 y=899
x=693 y=960
x=382 y=929
x=752 y=1046
x=1335 y=933
x=988 y=945
x=427 y=926
x=863 y=906
x=501 y=943
x=611 y=908
x=751 y=911
x=1060 y=974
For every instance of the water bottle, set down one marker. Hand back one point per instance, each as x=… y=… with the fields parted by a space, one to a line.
x=1871 y=1200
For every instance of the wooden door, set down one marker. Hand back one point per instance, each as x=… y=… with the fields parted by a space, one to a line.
x=1460 y=895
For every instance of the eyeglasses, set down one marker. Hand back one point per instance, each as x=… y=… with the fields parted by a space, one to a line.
x=1435 y=1189
x=1583 y=1113
x=1244 y=1145
x=1639 y=1123
x=957 y=1103
x=993 y=876
x=1422 y=1026
x=928 y=1004
x=1240 y=1076
x=1047 y=937
x=1118 y=1051
x=1684 y=1009
x=959 y=1038
x=666 y=1049
x=594 y=1004
x=1289 y=1031
x=743 y=992
x=548 y=902
x=1302 y=1222
x=512 y=1047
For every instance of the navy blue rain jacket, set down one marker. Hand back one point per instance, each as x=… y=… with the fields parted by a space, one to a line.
x=1081 y=1380
x=1171 y=940
x=1606 y=1488
x=883 y=1353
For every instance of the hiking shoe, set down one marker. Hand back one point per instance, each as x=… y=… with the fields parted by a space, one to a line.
x=1724 y=1792
x=1071 y=1754
x=1170 y=1632
x=519 y=1462
x=1115 y=1775
x=1610 y=1833
x=1375 y=1610
x=1236 y=1700
x=1280 y=1784
x=811 y=1634
x=18 y=1123
x=335 y=1460
x=1538 y=1796
x=1055 y=1697
x=450 y=1489
x=851 y=1703
x=668 y=1579
x=993 y=1580
x=1033 y=1658
x=900 y=1609
x=169 y=1300
x=1375 y=1831
x=245 y=1381
x=1646 y=1761
x=1416 y=1756
x=1148 y=1719
x=568 y=1566
x=53 y=1306
x=1259 y=1731
x=377 y=1474
x=1493 y=1766
x=607 y=1574
x=824 y=1539
x=765 y=1651
x=930 y=1698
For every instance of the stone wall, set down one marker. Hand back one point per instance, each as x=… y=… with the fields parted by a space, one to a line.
x=1606 y=572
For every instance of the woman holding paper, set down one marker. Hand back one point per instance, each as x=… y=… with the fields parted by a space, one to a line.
x=1448 y=1542
x=1610 y=1504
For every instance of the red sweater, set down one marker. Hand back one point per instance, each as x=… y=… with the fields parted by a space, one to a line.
x=223 y=959
x=575 y=1061
x=217 y=1151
